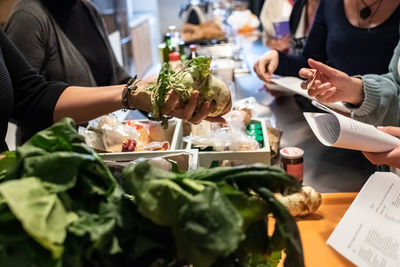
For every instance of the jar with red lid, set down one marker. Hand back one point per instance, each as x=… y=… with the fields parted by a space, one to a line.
x=292 y=162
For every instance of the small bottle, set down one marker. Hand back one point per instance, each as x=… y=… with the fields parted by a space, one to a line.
x=193 y=53
x=175 y=61
x=168 y=41
x=182 y=49
x=292 y=162
x=163 y=52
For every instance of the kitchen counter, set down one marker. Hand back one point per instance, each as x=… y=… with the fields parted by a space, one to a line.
x=327 y=169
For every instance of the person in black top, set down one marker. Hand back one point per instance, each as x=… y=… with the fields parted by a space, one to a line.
x=64 y=40
x=340 y=33
x=27 y=99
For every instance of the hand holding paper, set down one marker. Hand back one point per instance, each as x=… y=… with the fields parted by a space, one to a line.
x=333 y=129
x=328 y=85
x=291 y=85
x=391 y=158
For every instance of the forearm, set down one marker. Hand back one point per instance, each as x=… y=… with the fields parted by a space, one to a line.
x=357 y=96
x=86 y=103
x=381 y=102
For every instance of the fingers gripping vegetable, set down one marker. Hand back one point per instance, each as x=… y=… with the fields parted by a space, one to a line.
x=196 y=77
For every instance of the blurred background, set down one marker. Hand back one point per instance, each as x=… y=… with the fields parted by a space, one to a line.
x=137 y=25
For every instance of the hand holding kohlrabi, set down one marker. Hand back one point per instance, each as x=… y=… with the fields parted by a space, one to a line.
x=197 y=76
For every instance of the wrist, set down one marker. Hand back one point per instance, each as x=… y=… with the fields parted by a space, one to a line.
x=357 y=91
x=128 y=92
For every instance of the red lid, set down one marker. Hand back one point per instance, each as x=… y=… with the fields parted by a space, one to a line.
x=192 y=47
x=173 y=56
x=291 y=152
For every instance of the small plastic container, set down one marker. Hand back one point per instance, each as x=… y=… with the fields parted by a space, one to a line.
x=175 y=61
x=292 y=162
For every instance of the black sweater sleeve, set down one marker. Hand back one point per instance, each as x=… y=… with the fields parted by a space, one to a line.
x=34 y=97
x=315 y=47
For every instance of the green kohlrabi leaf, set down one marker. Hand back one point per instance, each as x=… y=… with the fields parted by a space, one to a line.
x=158 y=197
x=59 y=157
x=100 y=230
x=41 y=213
x=251 y=208
x=27 y=254
x=199 y=67
x=183 y=82
x=286 y=234
x=59 y=137
x=8 y=163
x=11 y=230
x=208 y=227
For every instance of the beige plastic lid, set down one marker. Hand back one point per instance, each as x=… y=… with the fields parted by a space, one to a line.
x=291 y=152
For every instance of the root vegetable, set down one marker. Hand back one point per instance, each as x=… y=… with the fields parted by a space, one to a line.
x=302 y=203
x=196 y=77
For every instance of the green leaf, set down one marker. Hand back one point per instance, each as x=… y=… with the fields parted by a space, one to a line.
x=59 y=137
x=41 y=213
x=100 y=230
x=27 y=254
x=208 y=227
x=8 y=163
x=286 y=234
x=157 y=196
x=251 y=208
x=262 y=260
x=200 y=67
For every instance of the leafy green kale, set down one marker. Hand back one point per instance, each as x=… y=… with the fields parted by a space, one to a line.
x=61 y=206
x=219 y=216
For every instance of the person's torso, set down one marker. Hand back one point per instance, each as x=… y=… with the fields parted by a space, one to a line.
x=6 y=101
x=80 y=28
x=355 y=50
x=63 y=61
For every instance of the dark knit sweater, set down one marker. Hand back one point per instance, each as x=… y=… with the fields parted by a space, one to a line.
x=25 y=97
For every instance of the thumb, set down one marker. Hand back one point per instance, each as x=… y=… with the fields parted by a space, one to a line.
x=321 y=67
x=395 y=131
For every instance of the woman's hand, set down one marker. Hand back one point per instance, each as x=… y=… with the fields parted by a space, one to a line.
x=331 y=85
x=391 y=158
x=174 y=108
x=266 y=65
x=281 y=44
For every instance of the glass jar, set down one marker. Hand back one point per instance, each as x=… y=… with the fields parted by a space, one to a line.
x=292 y=162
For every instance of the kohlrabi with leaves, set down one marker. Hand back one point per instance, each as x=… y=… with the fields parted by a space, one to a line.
x=197 y=76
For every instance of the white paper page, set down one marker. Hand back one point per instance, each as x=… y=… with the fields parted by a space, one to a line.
x=369 y=232
x=333 y=129
x=325 y=126
x=292 y=85
x=365 y=137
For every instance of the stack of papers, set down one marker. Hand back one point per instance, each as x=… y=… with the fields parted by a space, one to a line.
x=369 y=232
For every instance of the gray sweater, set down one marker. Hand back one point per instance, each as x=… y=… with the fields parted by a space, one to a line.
x=381 y=105
x=38 y=36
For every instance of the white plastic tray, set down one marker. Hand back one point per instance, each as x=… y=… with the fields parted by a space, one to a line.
x=132 y=156
x=262 y=155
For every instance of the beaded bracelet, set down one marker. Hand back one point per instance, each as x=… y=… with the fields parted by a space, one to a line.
x=129 y=88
